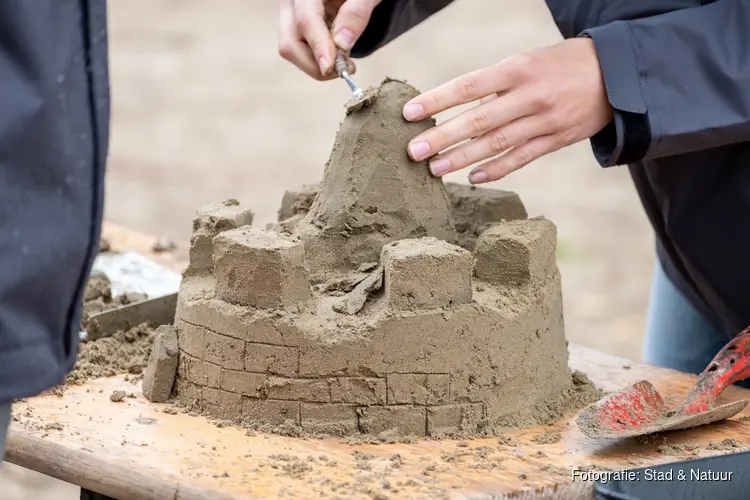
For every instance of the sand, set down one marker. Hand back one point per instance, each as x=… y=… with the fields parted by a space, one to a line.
x=476 y=209
x=364 y=317
x=372 y=193
x=208 y=222
x=694 y=449
x=98 y=297
x=158 y=377
x=141 y=352
x=123 y=352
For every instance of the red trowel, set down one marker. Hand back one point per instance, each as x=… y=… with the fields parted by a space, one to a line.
x=639 y=410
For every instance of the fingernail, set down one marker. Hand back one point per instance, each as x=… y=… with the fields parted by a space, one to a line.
x=419 y=150
x=478 y=177
x=344 y=38
x=440 y=166
x=323 y=63
x=413 y=111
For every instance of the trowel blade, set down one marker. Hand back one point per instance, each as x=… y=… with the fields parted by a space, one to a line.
x=639 y=410
x=157 y=311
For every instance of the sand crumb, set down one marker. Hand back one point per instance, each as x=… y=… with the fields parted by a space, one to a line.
x=723 y=445
x=679 y=449
x=547 y=437
x=117 y=396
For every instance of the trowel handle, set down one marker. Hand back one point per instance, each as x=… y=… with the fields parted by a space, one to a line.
x=341 y=64
x=730 y=365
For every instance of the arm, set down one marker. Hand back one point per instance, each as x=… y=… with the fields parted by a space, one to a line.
x=679 y=82
x=393 y=18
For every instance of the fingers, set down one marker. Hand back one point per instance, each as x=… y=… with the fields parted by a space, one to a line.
x=351 y=21
x=292 y=47
x=490 y=144
x=309 y=19
x=474 y=122
x=305 y=39
x=462 y=90
x=515 y=159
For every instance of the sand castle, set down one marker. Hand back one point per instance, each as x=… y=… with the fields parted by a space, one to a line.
x=382 y=300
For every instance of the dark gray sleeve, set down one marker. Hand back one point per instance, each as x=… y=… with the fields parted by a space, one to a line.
x=393 y=18
x=679 y=82
x=54 y=129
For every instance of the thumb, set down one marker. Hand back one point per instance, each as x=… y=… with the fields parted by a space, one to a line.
x=351 y=21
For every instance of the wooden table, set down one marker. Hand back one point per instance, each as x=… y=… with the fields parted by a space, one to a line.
x=134 y=450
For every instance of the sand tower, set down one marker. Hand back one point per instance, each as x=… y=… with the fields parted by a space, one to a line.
x=360 y=313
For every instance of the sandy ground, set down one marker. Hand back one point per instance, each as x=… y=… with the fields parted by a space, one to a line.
x=204 y=109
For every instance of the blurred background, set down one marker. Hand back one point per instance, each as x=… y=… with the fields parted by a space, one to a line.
x=204 y=109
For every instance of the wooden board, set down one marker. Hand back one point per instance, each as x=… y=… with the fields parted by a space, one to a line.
x=133 y=449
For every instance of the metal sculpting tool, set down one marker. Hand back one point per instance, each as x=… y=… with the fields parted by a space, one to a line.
x=342 y=68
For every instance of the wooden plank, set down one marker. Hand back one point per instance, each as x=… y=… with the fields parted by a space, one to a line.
x=134 y=449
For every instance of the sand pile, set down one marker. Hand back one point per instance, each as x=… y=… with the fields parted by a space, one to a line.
x=123 y=352
x=358 y=314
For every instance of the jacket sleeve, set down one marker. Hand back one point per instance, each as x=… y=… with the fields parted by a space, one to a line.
x=679 y=82
x=393 y=18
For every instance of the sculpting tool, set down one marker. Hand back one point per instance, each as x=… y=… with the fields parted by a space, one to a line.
x=342 y=68
x=639 y=410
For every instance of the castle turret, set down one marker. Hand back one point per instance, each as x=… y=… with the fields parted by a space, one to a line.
x=372 y=193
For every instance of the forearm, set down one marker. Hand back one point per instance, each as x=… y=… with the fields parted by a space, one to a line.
x=393 y=18
x=679 y=82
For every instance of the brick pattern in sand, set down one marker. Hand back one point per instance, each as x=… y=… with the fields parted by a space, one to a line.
x=258 y=343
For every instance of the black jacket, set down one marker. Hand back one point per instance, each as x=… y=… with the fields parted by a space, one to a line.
x=54 y=113
x=677 y=73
